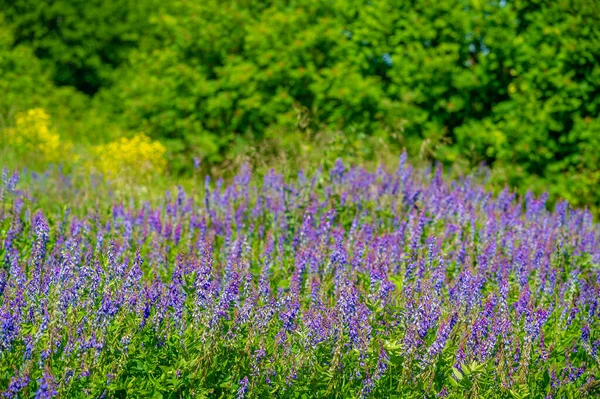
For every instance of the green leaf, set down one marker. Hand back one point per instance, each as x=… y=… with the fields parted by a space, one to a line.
x=457 y=373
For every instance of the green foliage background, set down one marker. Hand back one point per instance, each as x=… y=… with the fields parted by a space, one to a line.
x=512 y=83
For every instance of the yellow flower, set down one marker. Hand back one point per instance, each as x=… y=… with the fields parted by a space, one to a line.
x=129 y=159
x=32 y=134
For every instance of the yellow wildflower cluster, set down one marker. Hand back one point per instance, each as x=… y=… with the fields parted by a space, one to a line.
x=32 y=135
x=129 y=160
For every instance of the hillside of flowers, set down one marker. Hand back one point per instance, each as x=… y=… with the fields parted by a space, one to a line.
x=335 y=284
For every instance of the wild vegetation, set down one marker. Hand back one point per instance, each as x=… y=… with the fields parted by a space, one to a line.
x=203 y=198
x=514 y=84
x=339 y=284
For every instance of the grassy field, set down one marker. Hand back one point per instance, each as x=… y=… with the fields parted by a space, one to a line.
x=336 y=283
x=300 y=199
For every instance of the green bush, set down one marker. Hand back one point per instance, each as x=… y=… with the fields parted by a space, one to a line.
x=513 y=84
x=24 y=83
x=80 y=41
x=543 y=135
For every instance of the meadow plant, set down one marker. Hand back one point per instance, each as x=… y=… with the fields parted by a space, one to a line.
x=128 y=160
x=33 y=137
x=342 y=284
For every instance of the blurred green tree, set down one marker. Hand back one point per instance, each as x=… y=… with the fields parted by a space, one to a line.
x=512 y=83
x=80 y=41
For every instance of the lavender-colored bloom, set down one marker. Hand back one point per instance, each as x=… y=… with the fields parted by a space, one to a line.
x=585 y=333
x=12 y=182
x=382 y=363
x=337 y=172
x=288 y=314
x=243 y=388
x=338 y=256
x=47 y=387
x=368 y=386
x=15 y=385
x=9 y=329
x=442 y=337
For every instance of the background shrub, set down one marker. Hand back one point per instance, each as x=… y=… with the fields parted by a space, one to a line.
x=128 y=160
x=513 y=84
x=33 y=137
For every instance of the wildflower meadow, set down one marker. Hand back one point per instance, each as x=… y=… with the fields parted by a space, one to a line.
x=336 y=283
x=248 y=199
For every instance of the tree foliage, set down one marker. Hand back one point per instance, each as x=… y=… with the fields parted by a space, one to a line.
x=512 y=83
